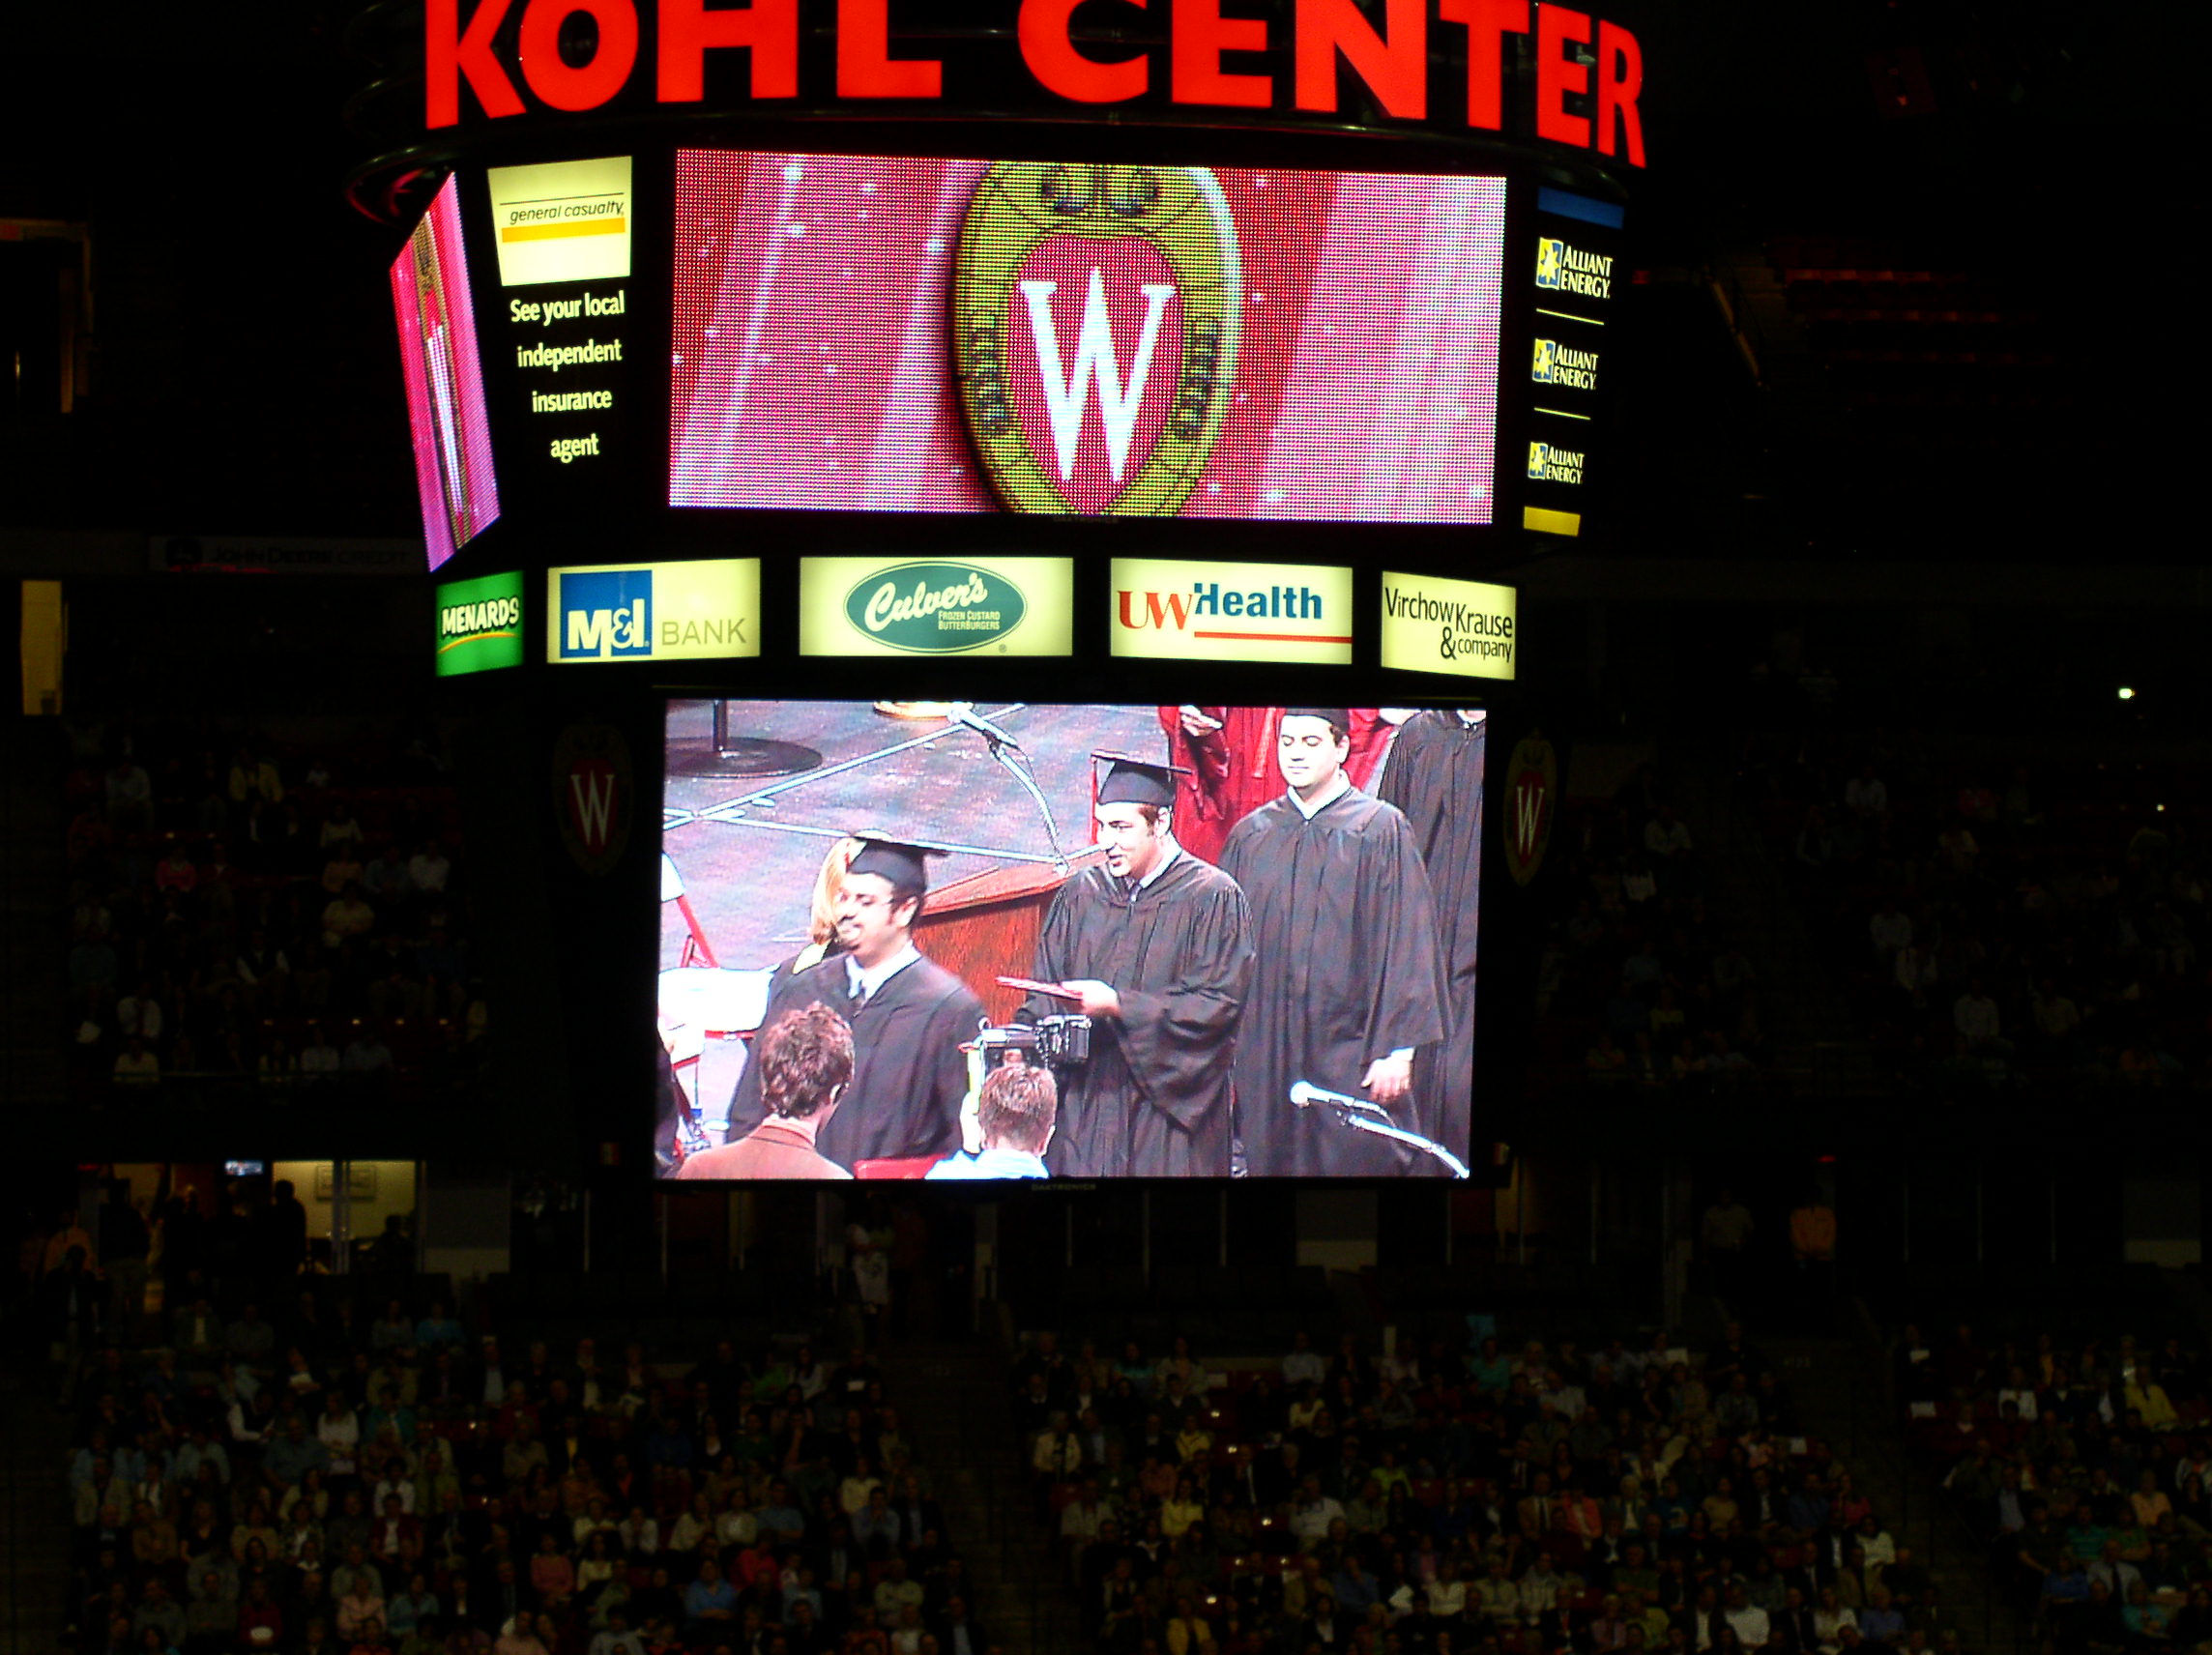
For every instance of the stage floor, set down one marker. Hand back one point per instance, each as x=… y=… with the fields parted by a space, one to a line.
x=748 y=849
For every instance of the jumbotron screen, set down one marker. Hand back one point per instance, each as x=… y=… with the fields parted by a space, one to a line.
x=927 y=334
x=445 y=380
x=1019 y=940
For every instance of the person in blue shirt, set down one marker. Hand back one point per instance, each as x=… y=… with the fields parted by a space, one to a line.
x=1006 y=1121
x=709 y=1598
x=437 y=1331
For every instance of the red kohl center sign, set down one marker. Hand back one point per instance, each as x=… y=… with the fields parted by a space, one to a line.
x=499 y=60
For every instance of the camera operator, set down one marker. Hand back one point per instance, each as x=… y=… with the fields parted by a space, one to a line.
x=1006 y=1122
x=1154 y=947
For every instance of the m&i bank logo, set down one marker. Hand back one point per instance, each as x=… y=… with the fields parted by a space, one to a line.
x=605 y=615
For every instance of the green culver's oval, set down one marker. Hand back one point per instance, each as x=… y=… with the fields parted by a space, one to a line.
x=935 y=608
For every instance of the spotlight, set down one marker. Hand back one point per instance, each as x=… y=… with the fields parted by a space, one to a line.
x=2127 y=694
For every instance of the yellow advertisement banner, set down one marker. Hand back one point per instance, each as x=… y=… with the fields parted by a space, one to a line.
x=563 y=222
x=1186 y=611
x=935 y=606
x=1465 y=627
x=707 y=610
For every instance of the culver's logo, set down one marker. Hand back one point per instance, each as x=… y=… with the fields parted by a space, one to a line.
x=935 y=608
x=606 y=615
x=1096 y=318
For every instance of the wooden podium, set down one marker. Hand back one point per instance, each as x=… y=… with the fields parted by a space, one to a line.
x=988 y=925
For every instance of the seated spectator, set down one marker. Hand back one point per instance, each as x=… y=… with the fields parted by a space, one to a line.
x=346 y=917
x=805 y=1062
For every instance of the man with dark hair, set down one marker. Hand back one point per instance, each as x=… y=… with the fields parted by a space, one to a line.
x=805 y=1062
x=1349 y=980
x=1007 y=1126
x=908 y=1014
x=1155 y=947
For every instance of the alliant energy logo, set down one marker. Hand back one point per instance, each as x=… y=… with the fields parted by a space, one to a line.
x=935 y=608
x=1096 y=332
x=606 y=615
x=1563 y=364
x=1550 y=463
x=1561 y=267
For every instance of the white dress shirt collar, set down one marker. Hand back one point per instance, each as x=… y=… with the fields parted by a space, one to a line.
x=1329 y=794
x=864 y=981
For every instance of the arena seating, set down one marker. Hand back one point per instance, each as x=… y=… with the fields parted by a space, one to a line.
x=1526 y=1494
x=2077 y=1450
x=266 y=911
x=1637 y=987
x=2071 y=893
x=534 y=1479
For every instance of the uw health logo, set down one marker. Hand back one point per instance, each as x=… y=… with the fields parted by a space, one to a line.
x=1095 y=331
x=936 y=609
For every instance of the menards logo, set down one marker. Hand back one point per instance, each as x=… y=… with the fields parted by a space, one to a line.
x=462 y=623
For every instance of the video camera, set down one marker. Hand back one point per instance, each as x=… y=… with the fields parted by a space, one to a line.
x=1059 y=1041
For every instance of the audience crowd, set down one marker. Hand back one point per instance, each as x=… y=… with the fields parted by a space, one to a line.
x=344 y=1466
x=1509 y=1500
x=1636 y=984
x=1993 y=926
x=2086 y=1467
x=285 y=911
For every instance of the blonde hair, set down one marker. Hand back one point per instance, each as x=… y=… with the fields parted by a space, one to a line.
x=821 y=925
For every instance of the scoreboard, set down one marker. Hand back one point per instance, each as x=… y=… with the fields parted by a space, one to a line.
x=777 y=370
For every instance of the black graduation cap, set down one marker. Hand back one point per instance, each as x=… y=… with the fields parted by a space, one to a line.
x=902 y=864
x=1136 y=781
x=1340 y=716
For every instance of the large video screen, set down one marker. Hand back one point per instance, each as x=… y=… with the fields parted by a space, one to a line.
x=925 y=334
x=445 y=380
x=956 y=941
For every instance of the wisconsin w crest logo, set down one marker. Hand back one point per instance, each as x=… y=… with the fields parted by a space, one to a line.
x=1095 y=323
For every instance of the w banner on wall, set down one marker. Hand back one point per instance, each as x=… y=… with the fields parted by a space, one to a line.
x=1532 y=801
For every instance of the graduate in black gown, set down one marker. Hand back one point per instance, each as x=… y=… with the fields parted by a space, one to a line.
x=909 y=1018
x=1433 y=776
x=1350 y=982
x=1156 y=947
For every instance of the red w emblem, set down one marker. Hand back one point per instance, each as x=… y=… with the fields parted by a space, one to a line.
x=1095 y=328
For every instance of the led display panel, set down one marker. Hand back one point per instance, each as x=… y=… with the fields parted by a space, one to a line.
x=961 y=940
x=1070 y=338
x=445 y=380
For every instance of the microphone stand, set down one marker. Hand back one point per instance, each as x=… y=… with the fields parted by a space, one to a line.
x=1364 y=1122
x=1005 y=754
